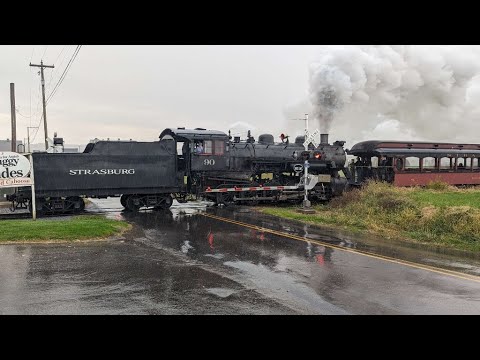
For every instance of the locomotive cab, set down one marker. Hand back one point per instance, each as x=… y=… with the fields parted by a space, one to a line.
x=209 y=154
x=199 y=151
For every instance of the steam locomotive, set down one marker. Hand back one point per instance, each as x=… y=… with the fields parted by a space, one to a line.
x=186 y=164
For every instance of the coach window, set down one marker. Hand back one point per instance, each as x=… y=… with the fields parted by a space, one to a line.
x=412 y=163
x=476 y=163
x=445 y=163
x=219 y=147
x=429 y=163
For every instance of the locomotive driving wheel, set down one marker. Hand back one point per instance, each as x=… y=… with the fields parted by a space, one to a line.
x=225 y=198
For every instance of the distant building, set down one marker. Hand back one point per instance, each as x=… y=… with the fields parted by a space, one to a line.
x=6 y=145
x=108 y=139
x=71 y=148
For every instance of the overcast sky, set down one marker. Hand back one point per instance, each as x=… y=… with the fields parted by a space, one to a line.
x=137 y=91
x=134 y=92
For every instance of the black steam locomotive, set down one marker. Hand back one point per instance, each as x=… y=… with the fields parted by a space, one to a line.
x=185 y=164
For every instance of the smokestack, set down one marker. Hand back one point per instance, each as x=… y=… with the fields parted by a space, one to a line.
x=323 y=138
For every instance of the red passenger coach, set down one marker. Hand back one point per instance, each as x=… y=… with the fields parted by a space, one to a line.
x=416 y=163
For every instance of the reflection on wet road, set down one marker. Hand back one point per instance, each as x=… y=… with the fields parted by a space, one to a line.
x=183 y=262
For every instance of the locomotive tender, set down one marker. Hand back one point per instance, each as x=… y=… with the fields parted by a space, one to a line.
x=186 y=163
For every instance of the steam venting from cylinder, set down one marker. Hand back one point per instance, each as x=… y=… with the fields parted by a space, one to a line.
x=323 y=138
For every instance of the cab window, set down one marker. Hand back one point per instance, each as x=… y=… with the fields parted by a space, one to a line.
x=219 y=147
x=208 y=147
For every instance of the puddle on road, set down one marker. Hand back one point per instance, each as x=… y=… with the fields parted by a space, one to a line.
x=286 y=287
x=221 y=292
x=189 y=233
x=216 y=256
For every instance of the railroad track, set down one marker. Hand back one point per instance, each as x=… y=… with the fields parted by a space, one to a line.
x=15 y=216
x=25 y=215
x=86 y=212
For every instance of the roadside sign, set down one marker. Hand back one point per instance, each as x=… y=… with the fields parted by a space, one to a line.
x=306 y=164
x=15 y=182
x=14 y=170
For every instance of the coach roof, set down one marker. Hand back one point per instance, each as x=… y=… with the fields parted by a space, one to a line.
x=406 y=147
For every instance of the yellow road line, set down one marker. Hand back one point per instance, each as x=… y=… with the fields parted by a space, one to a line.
x=359 y=252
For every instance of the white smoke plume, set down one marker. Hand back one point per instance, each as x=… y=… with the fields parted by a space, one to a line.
x=407 y=91
x=241 y=128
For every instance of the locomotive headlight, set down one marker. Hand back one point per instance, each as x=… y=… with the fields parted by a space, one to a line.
x=317 y=155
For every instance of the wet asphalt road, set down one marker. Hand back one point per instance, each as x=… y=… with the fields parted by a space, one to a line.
x=182 y=262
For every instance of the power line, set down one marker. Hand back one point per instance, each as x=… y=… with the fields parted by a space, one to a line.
x=19 y=113
x=46 y=47
x=38 y=112
x=60 y=53
x=58 y=67
x=38 y=127
x=62 y=77
x=37 y=108
x=42 y=66
x=31 y=58
x=39 y=99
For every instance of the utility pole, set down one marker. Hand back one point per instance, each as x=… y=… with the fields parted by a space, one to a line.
x=41 y=66
x=14 y=118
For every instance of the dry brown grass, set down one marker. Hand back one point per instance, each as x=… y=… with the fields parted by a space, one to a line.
x=429 y=216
